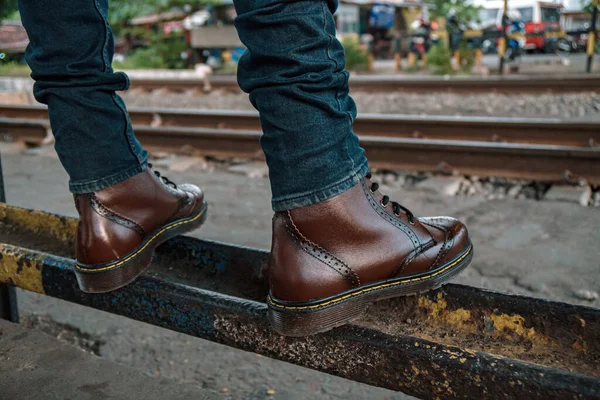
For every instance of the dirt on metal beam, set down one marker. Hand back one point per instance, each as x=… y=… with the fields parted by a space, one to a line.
x=457 y=342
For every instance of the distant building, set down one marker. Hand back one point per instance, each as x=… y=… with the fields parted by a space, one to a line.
x=356 y=16
x=13 y=37
x=573 y=5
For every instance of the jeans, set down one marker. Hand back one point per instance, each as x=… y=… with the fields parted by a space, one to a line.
x=293 y=70
x=70 y=54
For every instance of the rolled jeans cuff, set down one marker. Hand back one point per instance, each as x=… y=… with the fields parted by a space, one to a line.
x=322 y=194
x=102 y=183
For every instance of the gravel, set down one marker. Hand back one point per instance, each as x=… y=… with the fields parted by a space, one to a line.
x=568 y=106
x=493 y=188
x=588 y=295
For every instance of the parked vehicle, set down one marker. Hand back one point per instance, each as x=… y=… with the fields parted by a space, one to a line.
x=542 y=26
x=562 y=46
x=515 y=44
x=577 y=26
x=420 y=41
x=455 y=30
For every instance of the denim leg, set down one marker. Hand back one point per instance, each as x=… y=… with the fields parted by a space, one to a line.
x=70 y=54
x=293 y=70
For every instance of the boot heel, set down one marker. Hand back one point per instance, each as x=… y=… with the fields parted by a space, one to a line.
x=306 y=322
x=112 y=276
x=113 y=279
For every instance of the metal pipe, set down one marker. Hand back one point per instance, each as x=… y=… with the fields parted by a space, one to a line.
x=503 y=38
x=592 y=37
x=457 y=342
x=8 y=294
x=397 y=52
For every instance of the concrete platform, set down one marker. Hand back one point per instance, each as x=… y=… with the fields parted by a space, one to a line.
x=544 y=249
x=35 y=366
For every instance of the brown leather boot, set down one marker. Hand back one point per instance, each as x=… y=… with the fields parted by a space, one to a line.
x=120 y=226
x=330 y=260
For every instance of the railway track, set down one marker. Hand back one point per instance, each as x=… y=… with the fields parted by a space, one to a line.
x=542 y=150
x=513 y=130
x=364 y=83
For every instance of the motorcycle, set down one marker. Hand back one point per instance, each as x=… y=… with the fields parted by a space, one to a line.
x=514 y=50
x=420 y=42
x=561 y=46
x=515 y=43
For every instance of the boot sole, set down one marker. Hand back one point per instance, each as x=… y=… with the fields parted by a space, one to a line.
x=309 y=318
x=102 y=278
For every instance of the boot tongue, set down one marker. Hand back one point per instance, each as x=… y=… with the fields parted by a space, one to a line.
x=163 y=179
x=423 y=235
x=396 y=207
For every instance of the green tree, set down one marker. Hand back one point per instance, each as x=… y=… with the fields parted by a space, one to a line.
x=121 y=11
x=465 y=10
x=588 y=5
x=8 y=8
x=357 y=57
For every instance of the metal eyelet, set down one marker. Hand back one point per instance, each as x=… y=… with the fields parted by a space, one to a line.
x=383 y=205
x=411 y=221
x=397 y=215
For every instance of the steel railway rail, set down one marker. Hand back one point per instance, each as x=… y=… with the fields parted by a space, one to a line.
x=541 y=162
x=512 y=130
x=382 y=83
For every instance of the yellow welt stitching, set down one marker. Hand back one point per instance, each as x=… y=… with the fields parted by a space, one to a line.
x=113 y=266
x=384 y=285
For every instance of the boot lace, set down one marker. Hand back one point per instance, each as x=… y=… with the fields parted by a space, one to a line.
x=165 y=180
x=386 y=200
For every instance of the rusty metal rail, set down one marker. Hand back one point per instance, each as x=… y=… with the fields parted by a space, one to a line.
x=513 y=160
x=515 y=130
x=456 y=342
x=378 y=83
x=8 y=295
